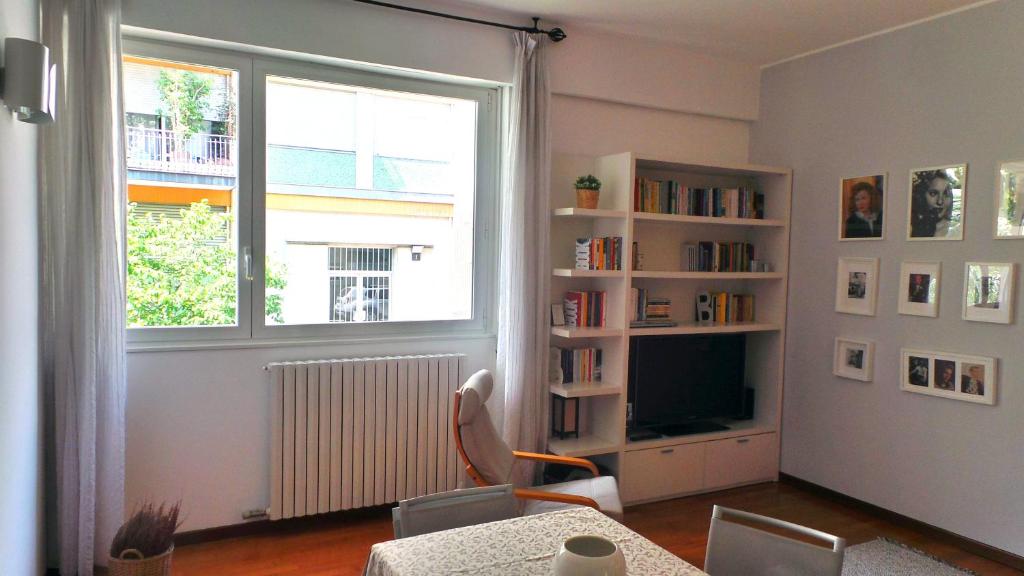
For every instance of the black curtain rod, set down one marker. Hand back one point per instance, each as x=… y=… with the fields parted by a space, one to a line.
x=555 y=34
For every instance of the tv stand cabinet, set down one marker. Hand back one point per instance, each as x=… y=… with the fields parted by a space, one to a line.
x=668 y=467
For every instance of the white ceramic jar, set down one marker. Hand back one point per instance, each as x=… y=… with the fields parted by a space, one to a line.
x=589 y=556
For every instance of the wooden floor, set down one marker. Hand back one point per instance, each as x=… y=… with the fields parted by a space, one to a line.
x=339 y=545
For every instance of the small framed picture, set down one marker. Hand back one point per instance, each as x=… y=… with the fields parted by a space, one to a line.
x=861 y=203
x=857 y=286
x=1010 y=200
x=854 y=359
x=557 y=315
x=937 y=200
x=988 y=292
x=949 y=375
x=919 y=288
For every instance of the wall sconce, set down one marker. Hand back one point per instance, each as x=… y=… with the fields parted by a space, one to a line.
x=28 y=82
x=417 y=253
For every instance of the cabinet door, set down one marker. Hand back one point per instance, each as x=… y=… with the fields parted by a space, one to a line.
x=741 y=461
x=660 y=472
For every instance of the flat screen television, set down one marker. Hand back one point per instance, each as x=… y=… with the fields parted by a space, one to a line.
x=677 y=384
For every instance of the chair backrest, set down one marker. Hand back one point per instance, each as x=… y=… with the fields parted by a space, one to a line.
x=488 y=459
x=741 y=550
x=453 y=509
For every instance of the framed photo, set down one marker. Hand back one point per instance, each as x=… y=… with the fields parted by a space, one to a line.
x=557 y=315
x=988 y=292
x=857 y=286
x=919 y=288
x=1010 y=200
x=854 y=359
x=949 y=375
x=937 y=197
x=861 y=203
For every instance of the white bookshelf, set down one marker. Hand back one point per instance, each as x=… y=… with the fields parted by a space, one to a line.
x=746 y=452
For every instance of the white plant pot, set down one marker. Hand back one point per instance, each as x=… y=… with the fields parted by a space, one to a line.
x=589 y=556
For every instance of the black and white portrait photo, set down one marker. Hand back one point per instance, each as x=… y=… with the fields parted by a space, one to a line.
x=855 y=358
x=936 y=203
x=917 y=371
x=945 y=374
x=857 y=287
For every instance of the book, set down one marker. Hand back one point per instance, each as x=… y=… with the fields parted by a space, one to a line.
x=670 y=197
x=727 y=308
x=599 y=253
x=584 y=309
x=580 y=365
x=718 y=257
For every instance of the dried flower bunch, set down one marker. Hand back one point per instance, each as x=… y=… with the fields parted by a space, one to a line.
x=150 y=530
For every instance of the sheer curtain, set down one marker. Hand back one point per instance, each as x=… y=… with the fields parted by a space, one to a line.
x=82 y=213
x=523 y=266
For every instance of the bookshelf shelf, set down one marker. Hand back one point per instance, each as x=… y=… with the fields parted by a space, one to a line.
x=693 y=328
x=585 y=390
x=708 y=220
x=748 y=451
x=588 y=213
x=566 y=332
x=575 y=273
x=679 y=275
x=585 y=445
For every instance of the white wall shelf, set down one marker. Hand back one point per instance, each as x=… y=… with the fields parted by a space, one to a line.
x=571 y=390
x=707 y=220
x=566 y=332
x=748 y=451
x=588 y=213
x=681 y=275
x=577 y=273
x=585 y=445
x=694 y=328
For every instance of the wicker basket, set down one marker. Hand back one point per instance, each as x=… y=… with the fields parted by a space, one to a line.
x=126 y=565
x=586 y=198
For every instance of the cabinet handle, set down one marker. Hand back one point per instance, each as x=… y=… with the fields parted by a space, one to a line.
x=743 y=440
x=668 y=450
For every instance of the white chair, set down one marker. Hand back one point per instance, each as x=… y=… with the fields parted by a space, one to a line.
x=741 y=550
x=489 y=460
x=454 y=509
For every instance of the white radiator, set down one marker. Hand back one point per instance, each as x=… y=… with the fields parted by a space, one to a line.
x=361 y=432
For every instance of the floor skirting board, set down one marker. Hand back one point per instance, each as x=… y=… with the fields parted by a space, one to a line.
x=973 y=546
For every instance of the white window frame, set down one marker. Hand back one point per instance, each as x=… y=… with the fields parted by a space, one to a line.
x=242 y=221
x=253 y=69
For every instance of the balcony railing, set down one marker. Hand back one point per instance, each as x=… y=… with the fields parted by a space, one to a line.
x=167 y=151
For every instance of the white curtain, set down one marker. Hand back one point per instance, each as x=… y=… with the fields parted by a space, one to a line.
x=82 y=221
x=524 y=270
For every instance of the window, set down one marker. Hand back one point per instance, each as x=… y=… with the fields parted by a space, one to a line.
x=273 y=198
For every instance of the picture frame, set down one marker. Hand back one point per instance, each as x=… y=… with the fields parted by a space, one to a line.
x=857 y=286
x=1009 y=218
x=862 y=207
x=920 y=284
x=936 y=205
x=557 y=314
x=854 y=359
x=988 y=291
x=949 y=375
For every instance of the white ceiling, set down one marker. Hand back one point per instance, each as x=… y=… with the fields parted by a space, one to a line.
x=758 y=31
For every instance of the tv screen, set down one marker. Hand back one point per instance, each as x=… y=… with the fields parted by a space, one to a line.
x=679 y=379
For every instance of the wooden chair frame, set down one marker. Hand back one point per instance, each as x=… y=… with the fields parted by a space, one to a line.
x=546 y=458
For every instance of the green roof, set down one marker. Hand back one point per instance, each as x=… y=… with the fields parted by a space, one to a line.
x=337 y=169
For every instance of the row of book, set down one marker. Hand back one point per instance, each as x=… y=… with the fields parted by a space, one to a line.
x=648 y=311
x=718 y=257
x=670 y=197
x=580 y=365
x=585 y=309
x=726 y=307
x=599 y=253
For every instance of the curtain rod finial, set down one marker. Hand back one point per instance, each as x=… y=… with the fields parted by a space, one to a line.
x=556 y=34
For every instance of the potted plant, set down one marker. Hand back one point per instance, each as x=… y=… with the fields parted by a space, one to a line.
x=588 y=190
x=144 y=543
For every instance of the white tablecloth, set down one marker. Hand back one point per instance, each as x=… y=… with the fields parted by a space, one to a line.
x=520 y=546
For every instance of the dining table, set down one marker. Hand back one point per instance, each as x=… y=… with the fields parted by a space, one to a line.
x=522 y=546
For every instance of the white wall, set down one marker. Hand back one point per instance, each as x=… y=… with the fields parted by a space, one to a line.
x=198 y=422
x=21 y=493
x=947 y=91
